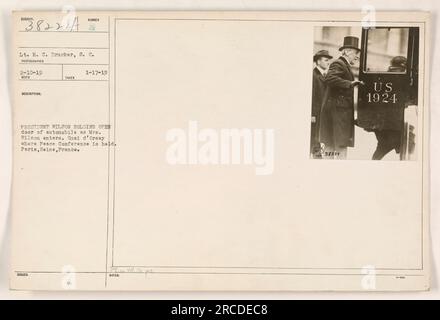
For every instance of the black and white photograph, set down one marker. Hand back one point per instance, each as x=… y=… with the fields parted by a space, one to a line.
x=365 y=93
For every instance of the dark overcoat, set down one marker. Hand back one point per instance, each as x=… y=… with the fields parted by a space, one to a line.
x=336 y=126
x=318 y=92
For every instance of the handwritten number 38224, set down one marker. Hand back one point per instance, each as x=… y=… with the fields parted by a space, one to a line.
x=42 y=25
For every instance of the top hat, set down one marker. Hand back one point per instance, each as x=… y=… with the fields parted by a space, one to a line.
x=321 y=53
x=350 y=42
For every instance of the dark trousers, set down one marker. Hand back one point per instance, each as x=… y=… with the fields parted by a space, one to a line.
x=387 y=140
x=315 y=146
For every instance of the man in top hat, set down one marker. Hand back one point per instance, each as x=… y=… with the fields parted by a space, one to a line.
x=336 y=129
x=322 y=62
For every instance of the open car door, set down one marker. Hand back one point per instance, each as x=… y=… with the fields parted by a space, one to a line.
x=389 y=69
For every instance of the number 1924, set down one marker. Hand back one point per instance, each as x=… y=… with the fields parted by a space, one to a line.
x=381 y=97
x=384 y=97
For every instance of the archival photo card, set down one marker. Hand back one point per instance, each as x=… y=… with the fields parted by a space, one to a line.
x=220 y=151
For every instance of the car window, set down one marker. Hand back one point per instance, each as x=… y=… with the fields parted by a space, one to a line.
x=387 y=50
